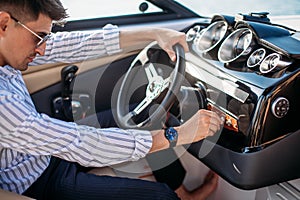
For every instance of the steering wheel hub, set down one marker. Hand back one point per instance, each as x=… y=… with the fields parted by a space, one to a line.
x=155 y=88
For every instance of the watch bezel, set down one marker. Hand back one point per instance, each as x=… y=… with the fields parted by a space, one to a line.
x=172 y=135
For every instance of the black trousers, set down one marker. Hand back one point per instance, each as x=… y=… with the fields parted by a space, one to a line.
x=66 y=180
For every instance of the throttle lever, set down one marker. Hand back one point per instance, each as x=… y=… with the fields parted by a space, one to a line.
x=67 y=76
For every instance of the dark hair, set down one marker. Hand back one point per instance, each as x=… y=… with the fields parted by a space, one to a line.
x=29 y=10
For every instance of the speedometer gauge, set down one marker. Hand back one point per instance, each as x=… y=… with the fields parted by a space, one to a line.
x=235 y=45
x=210 y=37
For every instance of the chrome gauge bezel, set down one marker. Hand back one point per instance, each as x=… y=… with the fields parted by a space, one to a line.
x=192 y=33
x=269 y=63
x=256 y=57
x=211 y=36
x=229 y=47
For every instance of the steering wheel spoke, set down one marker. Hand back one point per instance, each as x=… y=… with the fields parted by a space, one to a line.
x=128 y=117
x=141 y=106
x=142 y=57
x=166 y=83
x=151 y=72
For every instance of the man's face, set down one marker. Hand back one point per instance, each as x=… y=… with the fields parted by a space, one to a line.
x=18 y=44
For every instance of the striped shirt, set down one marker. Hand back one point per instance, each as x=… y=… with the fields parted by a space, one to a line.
x=28 y=139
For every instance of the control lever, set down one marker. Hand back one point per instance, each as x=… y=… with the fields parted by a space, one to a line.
x=67 y=76
x=69 y=105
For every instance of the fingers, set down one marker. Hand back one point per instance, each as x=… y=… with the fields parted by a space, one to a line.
x=211 y=177
x=168 y=38
x=211 y=180
x=171 y=54
x=184 y=44
x=212 y=118
x=202 y=124
x=170 y=51
x=210 y=122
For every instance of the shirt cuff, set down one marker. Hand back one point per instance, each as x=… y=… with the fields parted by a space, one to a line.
x=143 y=143
x=111 y=39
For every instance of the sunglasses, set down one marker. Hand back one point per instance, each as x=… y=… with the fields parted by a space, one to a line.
x=41 y=41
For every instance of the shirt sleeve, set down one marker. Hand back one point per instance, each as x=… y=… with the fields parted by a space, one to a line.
x=77 y=46
x=25 y=130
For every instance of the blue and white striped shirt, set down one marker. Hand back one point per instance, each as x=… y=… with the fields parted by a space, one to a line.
x=28 y=139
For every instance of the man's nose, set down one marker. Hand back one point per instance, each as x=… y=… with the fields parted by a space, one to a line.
x=41 y=49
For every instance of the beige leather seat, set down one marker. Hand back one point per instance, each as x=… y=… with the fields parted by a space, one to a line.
x=12 y=196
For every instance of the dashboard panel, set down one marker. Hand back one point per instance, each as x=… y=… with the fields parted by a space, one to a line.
x=250 y=70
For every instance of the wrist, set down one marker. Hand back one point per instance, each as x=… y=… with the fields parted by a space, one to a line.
x=185 y=136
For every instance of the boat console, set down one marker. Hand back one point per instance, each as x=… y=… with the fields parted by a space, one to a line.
x=249 y=70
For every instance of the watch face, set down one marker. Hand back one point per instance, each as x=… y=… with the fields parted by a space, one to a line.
x=171 y=134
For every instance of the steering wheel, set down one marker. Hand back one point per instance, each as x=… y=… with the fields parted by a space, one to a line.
x=158 y=86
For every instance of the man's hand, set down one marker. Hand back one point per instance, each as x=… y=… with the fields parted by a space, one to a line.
x=201 y=125
x=167 y=38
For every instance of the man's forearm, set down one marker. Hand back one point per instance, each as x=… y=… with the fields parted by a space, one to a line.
x=136 y=39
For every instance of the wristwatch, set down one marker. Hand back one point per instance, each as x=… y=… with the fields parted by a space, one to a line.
x=172 y=135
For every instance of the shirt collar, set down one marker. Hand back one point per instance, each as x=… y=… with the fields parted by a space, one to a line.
x=9 y=71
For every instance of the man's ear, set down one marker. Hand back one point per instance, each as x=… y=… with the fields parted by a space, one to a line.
x=4 y=19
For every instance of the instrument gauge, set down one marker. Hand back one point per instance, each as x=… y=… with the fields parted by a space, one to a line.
x=211 y=36
x=235 y=45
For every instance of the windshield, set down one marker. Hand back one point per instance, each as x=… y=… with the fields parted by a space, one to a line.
x=77 y=9
x=206 y=8
x=232 y=7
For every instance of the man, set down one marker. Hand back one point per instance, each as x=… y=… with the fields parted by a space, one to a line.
x=46 y=158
